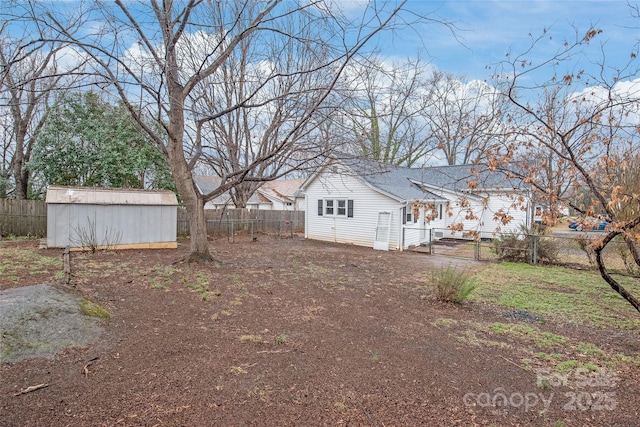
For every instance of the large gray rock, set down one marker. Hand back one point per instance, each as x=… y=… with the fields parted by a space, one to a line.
x=40 y=320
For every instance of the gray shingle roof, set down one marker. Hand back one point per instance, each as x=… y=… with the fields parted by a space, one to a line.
x=403 y=182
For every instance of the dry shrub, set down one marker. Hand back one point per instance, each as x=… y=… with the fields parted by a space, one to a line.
x=517 y=246
x=452 y=285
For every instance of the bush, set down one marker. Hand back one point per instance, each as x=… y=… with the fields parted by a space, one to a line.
x=584 y=244
x=516 y=246
x=452 y=285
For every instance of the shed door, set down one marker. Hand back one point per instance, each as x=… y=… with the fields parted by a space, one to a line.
x=383 y=231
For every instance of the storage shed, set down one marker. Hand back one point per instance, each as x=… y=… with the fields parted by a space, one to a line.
x=113 y=218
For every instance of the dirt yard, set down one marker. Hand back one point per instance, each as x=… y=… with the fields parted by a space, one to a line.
x=294 y=332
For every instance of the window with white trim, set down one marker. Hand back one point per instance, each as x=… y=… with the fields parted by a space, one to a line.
x=328 y=207
x=335 y=207
x=407 y=215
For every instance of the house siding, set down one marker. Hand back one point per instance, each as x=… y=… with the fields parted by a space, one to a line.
x=484 y=222
x=493 y=228
x=421 y=231
x=459 y=216
x=371 y=196
x=357 y=230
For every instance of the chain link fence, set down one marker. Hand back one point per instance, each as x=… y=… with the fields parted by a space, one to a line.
x=569 y=250
x=575 y=251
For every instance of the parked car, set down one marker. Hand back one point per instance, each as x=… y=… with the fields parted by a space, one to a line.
x=588 y=224
x=601 y=225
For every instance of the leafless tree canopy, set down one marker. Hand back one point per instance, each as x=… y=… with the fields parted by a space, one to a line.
x=466 y=119
x=384 y=105
x=241 y=86
x=577 y=147
x=32 y=73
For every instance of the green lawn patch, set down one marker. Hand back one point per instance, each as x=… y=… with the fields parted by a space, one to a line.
x=558 y=293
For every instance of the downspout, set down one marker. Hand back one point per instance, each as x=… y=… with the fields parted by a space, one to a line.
x=306 y=216
x=401 y=234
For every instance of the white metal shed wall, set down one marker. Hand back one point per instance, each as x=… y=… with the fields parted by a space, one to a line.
x=117 y=218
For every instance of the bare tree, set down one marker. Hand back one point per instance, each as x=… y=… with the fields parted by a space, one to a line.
x=588 y=138
x=384 y=107
x=233 y=135
x=159 y=55
x=464 y=118
x=29 y=76
x=6 y=151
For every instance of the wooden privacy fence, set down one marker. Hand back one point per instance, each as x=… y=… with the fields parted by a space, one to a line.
x=23 y=218
x=231 y=221
x=29 y=218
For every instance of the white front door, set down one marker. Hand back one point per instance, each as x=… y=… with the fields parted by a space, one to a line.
x=383 y=231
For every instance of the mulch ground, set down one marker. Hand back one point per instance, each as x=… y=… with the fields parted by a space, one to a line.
x=292 y=332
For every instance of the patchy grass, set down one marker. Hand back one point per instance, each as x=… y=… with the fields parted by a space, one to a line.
x=237 y=370
x=444 y=322
x=557 y=293
x=15 y=262
x=200 y=285
x=527 y=333
x=251 y=338
x=531 y=345
x=280 y=339
x=92 y=309
x=161 y=276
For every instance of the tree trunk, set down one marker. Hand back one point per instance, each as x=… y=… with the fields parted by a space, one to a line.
x=194 y=204
x=191 y=197
x=20 y=174
x=198 y=229
x=615 y=285
x=22 y=185
x=4 y=179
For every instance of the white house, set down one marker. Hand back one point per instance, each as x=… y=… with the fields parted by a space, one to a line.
x=206 y=184
x=368 y=203
x=283 y=194
x=278 y=195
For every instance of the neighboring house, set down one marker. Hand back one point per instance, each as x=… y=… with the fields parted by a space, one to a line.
x=272 y=195
x=368 y=203
x=207 y=184
x=542 y=211
x=283 y=194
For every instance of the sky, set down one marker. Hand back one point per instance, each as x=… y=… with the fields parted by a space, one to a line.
x=487 y=30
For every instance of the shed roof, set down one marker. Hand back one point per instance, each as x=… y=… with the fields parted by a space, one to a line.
x=109 y=196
